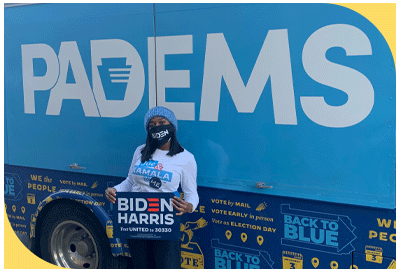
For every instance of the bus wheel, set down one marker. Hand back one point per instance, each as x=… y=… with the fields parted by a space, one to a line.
x=72 y=237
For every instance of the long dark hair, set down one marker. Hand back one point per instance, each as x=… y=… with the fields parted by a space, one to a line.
x=149 y=149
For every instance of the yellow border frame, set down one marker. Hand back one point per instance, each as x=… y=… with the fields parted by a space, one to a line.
x=382 y=16
x=17 y=256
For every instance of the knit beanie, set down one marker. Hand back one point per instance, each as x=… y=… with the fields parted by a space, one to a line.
x=160 y=111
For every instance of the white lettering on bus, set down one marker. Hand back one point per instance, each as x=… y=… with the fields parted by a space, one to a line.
x=273 y=63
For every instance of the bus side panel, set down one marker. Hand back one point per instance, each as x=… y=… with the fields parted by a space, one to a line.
x=230 y=229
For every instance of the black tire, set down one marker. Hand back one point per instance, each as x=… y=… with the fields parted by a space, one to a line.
x=71 y=236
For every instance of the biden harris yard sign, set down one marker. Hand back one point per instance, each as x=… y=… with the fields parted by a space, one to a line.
x=151 y=216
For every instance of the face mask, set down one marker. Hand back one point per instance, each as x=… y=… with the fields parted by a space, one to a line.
x=160 y=135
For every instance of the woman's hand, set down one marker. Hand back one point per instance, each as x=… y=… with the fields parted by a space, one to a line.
x=111 y=194
x=181 y=205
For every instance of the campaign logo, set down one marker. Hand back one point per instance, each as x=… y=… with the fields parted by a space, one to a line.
x=114 y=75
x=235 y=257
x=152 y=172
x=118 y=78
x=323 y=232
x=144 y=205
x=160 y=134
x=12 y=187
x=150 y=163
x=145 y=215
x=155 y=182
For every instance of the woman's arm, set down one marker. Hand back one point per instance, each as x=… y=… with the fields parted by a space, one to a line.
x=189 y=187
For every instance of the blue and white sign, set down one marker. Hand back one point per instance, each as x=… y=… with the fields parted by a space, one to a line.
x=138 y=215
x=325 y=232
x=12 y=187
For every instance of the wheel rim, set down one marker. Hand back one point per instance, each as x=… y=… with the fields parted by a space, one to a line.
x=73 y=246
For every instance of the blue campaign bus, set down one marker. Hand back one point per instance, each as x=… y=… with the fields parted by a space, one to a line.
x=289 y=110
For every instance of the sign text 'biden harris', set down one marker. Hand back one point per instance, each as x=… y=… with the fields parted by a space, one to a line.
x=144 y=215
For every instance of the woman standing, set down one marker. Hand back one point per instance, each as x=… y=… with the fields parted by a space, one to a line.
x=162 y=151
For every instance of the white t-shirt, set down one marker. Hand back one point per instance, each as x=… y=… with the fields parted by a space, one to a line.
x=162 y=173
